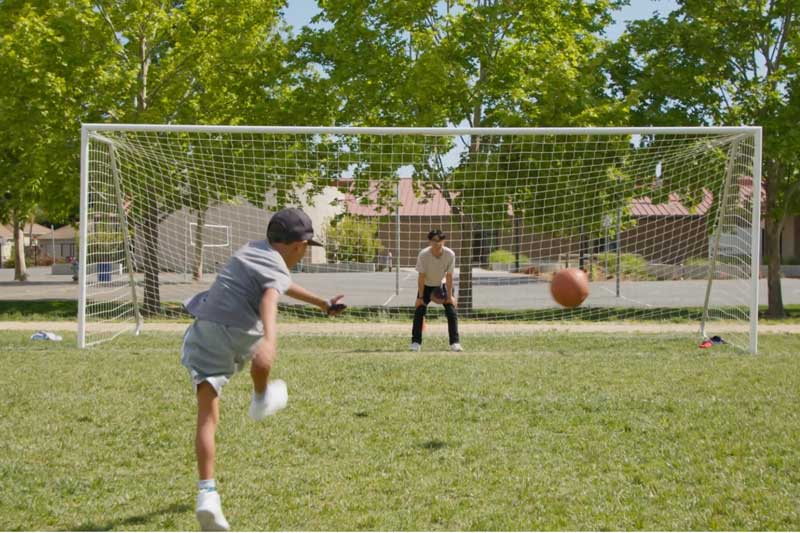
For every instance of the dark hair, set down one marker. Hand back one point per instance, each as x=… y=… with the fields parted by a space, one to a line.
x=436 y=233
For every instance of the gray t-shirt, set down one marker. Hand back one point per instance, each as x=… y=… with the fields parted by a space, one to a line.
x=434 y=267
x=235 y=296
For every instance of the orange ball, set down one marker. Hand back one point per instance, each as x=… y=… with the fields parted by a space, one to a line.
x=570 y=287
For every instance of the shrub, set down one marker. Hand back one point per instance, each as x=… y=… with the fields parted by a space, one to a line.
x=507 y=258
x=352 y=240
x=697 y=262
x=633 y=266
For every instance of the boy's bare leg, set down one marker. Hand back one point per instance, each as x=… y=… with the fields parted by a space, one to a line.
x=207 y=420
x=209 y=507
x=259 y=372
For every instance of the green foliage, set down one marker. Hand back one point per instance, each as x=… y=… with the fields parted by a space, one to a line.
x=507 y=258
x=632 y=266
x=697 y=262
x=105 y=244
x=52 y=78
x=703 y=64
x=792 y=260
x=352 y=239
x=429 y=63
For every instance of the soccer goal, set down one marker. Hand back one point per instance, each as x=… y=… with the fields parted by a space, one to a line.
x=664 y=221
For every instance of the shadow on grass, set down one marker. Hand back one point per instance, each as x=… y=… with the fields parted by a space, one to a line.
x=53 y=309
x=135 y=520
x=433 y=445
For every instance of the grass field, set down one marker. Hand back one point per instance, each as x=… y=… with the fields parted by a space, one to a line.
x=576 y=432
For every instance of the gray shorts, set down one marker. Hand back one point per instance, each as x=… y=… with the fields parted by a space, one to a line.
x=214 y=352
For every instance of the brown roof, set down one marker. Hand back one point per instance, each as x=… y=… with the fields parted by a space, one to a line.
x=436 y=205
x=431 y=205
x=7 y=230
x=62 y=233
x=643 y=207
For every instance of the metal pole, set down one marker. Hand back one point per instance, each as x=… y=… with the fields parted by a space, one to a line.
x=755 y=242
x=83 y=233
x=397 y=240
x=186 y=240
x=619 y=247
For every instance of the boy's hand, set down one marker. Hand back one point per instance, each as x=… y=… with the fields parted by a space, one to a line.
x=333 y=307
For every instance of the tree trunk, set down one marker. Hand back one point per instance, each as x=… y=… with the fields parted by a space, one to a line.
x=469 y=227
x=197 y=264
x=20 y=270
x=465 y=272
x=773 y=249
x=772 y=244
x=149 y=233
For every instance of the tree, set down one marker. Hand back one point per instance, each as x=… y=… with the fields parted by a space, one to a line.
x=351 y=239
x=481 y=63
x=191 y=62
x=41 y=105
x=716 y=63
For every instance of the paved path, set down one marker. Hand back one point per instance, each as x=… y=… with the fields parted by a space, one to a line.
x=492 y=290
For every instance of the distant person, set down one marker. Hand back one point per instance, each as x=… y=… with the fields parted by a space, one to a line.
x=434 y=263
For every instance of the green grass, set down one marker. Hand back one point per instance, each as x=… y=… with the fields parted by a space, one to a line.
x=26 y=310
x=575 y=432
x=62 y=310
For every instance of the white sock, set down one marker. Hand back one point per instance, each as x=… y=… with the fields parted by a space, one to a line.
x=207 y=485
x=260 y=398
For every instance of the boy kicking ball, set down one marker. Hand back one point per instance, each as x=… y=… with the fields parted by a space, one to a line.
x=236 y=322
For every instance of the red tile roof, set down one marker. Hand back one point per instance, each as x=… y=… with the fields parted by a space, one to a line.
x=7 y=231
x=436 y=205
x=643 y=207
x=431 y=205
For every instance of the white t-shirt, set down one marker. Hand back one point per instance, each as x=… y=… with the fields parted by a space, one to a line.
x=434 y=267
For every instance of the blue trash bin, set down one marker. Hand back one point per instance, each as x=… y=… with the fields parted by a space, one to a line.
x=104 y=272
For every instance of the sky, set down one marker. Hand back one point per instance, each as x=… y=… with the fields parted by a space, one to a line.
x=299 y=12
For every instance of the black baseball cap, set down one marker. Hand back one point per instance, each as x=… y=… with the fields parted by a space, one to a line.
x=291 y=225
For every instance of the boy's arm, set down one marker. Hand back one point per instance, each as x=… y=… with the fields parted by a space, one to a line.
x=327 y=306
x=420 y=290
x=266 y=350
x=448 y=279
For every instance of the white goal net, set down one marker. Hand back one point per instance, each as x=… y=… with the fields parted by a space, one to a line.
x=664 y=221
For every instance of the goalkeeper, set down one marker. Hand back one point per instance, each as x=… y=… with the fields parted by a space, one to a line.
x=434 y=263
x=235 y=322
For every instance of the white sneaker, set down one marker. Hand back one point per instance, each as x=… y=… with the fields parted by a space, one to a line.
x=456 y=347
x=277 y=398
x=209 y=512
x=415 y=346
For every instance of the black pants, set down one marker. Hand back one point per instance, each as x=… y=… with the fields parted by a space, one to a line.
x=419 y=315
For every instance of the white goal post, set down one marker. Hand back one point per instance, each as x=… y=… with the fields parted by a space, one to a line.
x=664 y=220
